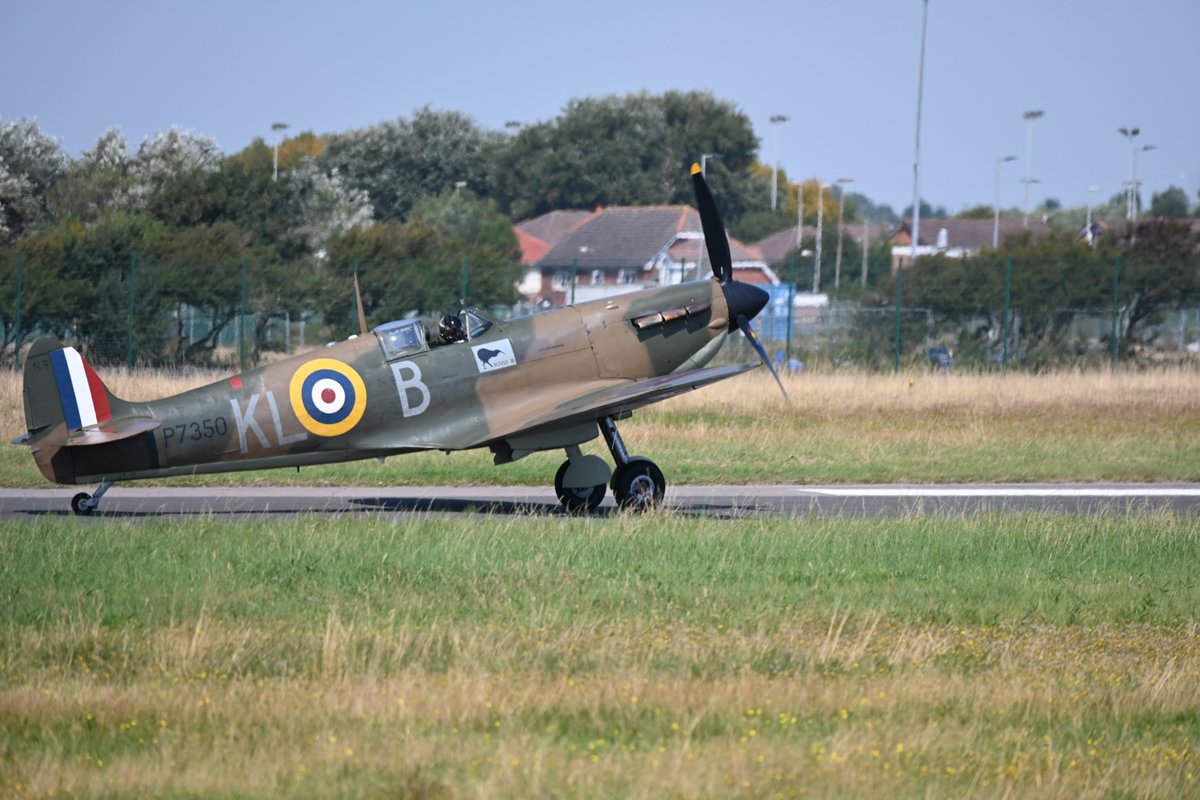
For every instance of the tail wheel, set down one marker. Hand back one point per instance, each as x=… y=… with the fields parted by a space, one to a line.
x=81 y=504
x=639 y=485
x=574 y=500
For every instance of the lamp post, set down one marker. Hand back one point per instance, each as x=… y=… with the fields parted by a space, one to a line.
x=996 y=207
x=583 y=249
x=866 y=247
x=1130 y=134
x=1030 y=116
x=279 y=128
x=1133 y=188
x=916 y=228
x=821 y=187
x=1092 y=188
x=837 y=262
x=776 y=120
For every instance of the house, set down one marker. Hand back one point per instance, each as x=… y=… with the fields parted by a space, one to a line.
x=775 y=248
x=579 y=256
x=954 y=238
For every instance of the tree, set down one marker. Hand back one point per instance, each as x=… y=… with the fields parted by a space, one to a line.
x=476 y=235
x=30 y=162
x=400 y=162
x=1171 y=202
x=868 y=210
x=1160 y=271
x=326 y=204
x=927 y=211
x=98 y=182
x=626 y=150
x=79 y=281
x=976 y=212
x=200 y=275
x=416 y=267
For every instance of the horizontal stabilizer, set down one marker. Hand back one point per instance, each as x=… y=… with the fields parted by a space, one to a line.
x=111 y=431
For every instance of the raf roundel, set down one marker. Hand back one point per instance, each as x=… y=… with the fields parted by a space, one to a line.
x=328 y=397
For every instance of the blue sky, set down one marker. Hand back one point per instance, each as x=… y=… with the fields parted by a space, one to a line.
x=845 y=71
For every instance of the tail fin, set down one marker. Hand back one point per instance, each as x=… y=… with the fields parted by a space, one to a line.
x=62 y=388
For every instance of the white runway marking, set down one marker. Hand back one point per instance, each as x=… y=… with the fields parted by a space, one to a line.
x=1006 y=491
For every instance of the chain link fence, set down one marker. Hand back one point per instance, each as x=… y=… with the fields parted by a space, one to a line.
x=126 y=309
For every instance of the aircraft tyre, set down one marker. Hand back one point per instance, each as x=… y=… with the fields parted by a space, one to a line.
x=638 y=485
x=573 y=501
x=81 y=504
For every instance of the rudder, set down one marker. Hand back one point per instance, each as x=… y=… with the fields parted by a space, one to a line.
x=61 y=387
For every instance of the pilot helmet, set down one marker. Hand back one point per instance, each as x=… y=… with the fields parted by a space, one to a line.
x=450 y=328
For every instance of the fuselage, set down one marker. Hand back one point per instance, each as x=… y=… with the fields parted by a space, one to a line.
x=390 y=392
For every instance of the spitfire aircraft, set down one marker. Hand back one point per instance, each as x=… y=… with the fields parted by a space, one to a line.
x=550 y=381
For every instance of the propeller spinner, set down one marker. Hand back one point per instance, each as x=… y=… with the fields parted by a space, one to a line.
x=743 y=299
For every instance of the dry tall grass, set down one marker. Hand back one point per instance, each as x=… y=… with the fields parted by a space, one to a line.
x=918 y=426
x=878 y=710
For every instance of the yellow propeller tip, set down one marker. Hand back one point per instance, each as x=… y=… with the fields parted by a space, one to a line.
x=695 y=168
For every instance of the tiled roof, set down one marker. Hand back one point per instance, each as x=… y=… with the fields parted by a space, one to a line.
x=532 y=248
x=775 y=247
x=553 y=226
x=970 y=233
x=621 y=236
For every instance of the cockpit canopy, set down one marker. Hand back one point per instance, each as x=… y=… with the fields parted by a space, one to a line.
x=407 y=336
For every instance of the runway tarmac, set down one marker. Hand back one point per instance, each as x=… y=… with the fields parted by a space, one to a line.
x=133 y=500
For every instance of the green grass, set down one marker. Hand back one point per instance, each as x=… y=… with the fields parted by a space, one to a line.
x=660 y=655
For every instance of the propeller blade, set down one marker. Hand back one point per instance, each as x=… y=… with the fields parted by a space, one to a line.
x=715 y=240
x=744 y=323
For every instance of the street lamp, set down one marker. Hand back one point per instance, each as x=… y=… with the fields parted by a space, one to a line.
x=916 y=226
x=1030 y=116
x=821 y=187
x=1092 y=188
x=1133 y=189
x=1131 y=184
x=279 y=128
x=837 y=262
x=996 y=207
x=776 y=120
x=916 y=218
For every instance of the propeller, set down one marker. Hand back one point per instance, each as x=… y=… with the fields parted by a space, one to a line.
x=743 y=299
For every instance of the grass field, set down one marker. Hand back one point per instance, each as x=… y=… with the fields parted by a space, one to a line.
x=838 y=428
x=652 y=656
x=1033 y=655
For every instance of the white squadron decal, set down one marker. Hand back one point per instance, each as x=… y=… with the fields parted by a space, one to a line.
x=494 y=355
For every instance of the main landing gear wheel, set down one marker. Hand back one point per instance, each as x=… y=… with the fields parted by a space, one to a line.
x=638 y=485
x=81 y=504
x=586 y=498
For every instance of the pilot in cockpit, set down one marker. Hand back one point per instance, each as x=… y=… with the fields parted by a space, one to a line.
x=450 y=330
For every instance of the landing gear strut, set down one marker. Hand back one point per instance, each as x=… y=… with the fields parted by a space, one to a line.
x=84 y=504
x=637 y=483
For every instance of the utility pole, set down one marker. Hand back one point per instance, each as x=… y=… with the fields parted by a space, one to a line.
x=837 y=263
x=821 y=187
x=279 y=128
x=1030 y=116
x=996 y=207
x=776 y=120
x=916 y=228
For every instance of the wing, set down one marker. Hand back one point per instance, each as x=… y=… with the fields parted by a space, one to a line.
x=615 y=399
